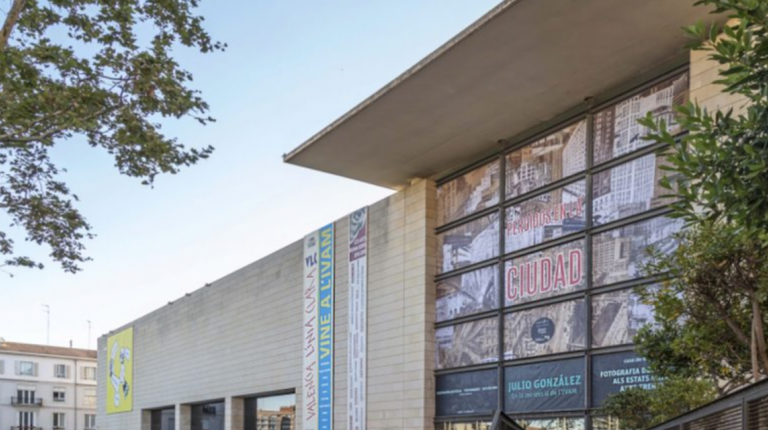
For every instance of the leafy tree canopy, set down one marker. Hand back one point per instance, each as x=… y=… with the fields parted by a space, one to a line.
x=95 y=70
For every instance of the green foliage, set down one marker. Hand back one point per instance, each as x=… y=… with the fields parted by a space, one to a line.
x=712 y=307
x=723 y=160
x=704 y=305
x=640 y=409
x=100 y=71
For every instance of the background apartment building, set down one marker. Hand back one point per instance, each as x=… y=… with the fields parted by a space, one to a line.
x=47 y=387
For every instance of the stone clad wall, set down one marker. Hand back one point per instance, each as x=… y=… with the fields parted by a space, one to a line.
x=241 y=335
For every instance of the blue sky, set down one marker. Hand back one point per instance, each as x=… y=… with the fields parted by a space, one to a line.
x=291 y=68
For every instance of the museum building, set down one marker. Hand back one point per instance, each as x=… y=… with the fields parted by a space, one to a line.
x=504 y=273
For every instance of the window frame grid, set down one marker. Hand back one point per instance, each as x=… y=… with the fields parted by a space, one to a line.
x=587 y=114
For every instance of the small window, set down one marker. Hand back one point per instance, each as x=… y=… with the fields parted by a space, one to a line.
x=61 y=371
x=88 y=373
x=59 y=394
x=90 y=421
x=2 y=367
x=89 y=398
x=26 y=368
x=59 y=420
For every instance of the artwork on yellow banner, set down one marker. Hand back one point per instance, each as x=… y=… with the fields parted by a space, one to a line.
x=120 y=372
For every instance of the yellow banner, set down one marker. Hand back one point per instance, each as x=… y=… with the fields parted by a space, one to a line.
x=120 y=372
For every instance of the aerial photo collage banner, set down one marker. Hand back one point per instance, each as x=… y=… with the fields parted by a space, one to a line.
x=535 y=257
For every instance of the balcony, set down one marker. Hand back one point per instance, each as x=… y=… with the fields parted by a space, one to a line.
x=19 y=401
x=26 y=428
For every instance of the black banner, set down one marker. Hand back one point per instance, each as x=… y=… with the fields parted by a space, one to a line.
x=470 y=393
x=615 y=373
x=555 y=385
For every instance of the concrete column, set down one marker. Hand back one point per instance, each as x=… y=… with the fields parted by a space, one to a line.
x=183 y=417
x=146 y=420
x=234 y=413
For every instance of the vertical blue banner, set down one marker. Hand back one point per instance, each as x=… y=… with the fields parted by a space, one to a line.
x=326 y=324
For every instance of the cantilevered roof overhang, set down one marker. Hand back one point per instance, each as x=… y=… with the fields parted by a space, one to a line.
x=521 y=65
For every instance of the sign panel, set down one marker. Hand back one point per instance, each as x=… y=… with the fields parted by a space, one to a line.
x=469 y=193
x=554 y=385
x=545 y=330
x=548 y=273
x=358 y=319
x=557 y=156
x=325 y=326
x=471 y=393
x=310 y=374
x=545 y=217
x=614 y=373
x=467 y=294
x=120 y=372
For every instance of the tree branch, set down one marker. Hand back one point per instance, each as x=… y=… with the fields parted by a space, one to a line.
x=10 y=22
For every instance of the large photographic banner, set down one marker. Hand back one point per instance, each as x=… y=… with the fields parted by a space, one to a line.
x=358 y=318
x=469 y=193
x=554 y=157
x=470 y=393
x=325 y=326
x=467 y=294
x=468 y=244
x=120 y=372
x=621 y=254
x=554 y=385
x=545 y=330
x=310 y=374
x=616 y=130
x=618 y=316
x=545 y=217
x=474 y=342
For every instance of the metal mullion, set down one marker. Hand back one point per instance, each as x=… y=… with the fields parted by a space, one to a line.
x=466 y=220
x=613 y=349
x=588 y=250
x=562 y=240
x=634 y=219
x=628 y=285
x=627 y=93
x=501 y=395
x=524 y=139
x=466 y=269
x=467 y=318
x=559 y=356
x=464 y=170
x=655 y=149
x=549 y=301
x=465 y=369
x=560 y=183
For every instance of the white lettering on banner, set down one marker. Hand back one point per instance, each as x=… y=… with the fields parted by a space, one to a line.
x=356 y=340
x=310 y=369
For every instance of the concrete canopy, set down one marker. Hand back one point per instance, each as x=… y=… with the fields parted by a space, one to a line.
x=522 y=64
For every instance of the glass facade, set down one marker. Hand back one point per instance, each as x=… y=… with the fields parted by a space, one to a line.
x=208 y=416
x=541 y=258
x=272 y=412
x=162 y=419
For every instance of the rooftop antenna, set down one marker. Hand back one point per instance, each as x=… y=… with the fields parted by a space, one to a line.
x=47 y=310
x=89 y=334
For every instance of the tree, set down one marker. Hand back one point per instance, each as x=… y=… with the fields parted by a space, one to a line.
x=640 y=409
x=721 y=182
x=94 y=70
x=710 y=308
